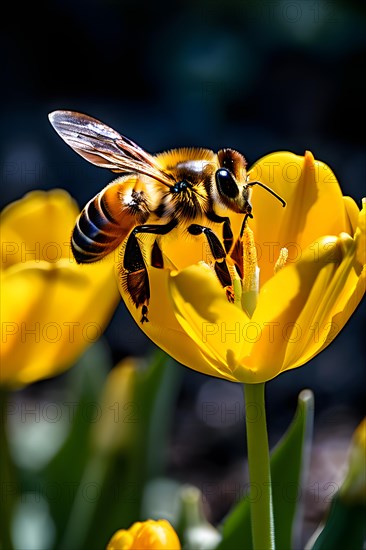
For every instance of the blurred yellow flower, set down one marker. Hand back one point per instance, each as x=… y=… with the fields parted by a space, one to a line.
x=146 y=535
x=112 y=433
x=303 y=275
x=51 y=308
x=353 y=489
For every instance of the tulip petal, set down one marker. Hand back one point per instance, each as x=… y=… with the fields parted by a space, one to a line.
x=146 y=535
x=326 y=313
x=50 y=316
x=184 y=249
x=338 y=320
x=314 y=206
x=360 y=235
x=304 y=335
x=204 y=313
x=164 y=329
x=280 y=304
x=327 y=310
x=353 y=212
x=38 y=227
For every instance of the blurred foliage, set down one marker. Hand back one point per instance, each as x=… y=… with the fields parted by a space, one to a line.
x=91 y=487
x=344 y=527
x=98 y=482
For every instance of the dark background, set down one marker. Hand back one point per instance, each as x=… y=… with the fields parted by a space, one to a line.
x=256 y=76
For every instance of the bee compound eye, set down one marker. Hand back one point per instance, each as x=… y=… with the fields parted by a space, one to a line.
x=226 y=183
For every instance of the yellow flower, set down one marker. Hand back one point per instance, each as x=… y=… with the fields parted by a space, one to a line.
x=114 y=431
x=51 y=308
x=353 y=489
x=304 y=276
x=147 y=535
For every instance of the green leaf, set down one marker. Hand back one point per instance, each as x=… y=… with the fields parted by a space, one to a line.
x=289 y=461
x=236 y=531
x=345 y=527
x=156 y=393
x=289 y=469
x=64 y=473
x=129 y=471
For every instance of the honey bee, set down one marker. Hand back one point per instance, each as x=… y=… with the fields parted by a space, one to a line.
x=185 y=188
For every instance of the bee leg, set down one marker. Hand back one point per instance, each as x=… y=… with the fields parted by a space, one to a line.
x=237 y=256
x=136 y=277
x=219 y=254
x=237 y=252
x=157 y=256
x=227 y=234
x=248 y=215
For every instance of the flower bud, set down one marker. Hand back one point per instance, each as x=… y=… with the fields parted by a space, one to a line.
x=146 y=535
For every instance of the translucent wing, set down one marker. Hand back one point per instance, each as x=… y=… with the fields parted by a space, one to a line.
x=104 y=147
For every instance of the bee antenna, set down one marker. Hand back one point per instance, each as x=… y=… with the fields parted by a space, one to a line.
x=267 y=189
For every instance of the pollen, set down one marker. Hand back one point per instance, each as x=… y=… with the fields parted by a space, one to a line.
x=250 y=292
x=282 y=259
x=250 y=280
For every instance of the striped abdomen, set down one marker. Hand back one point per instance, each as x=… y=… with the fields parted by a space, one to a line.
x=108 y=218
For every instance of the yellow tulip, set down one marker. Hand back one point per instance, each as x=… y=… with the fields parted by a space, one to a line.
x=51 y=308
x=353 y=490
x=119 y=414
x=146 y=535
x=304 y=275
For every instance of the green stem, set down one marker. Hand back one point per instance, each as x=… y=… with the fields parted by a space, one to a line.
x=259 y=468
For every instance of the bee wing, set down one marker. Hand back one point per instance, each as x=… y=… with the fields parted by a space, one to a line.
x=104 y=147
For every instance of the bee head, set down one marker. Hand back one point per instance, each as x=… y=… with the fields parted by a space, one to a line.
x=230 y=179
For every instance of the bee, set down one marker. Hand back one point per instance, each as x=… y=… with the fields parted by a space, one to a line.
x=188 y=188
